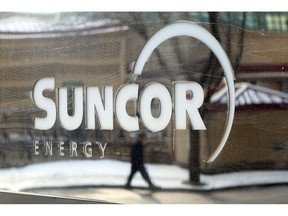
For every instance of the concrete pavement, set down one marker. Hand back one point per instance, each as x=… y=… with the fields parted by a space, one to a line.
x=276 y=194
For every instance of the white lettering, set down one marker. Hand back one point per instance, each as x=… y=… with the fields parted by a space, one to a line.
x=44 y=103
x=87 y=152
x=60 y=148
x=104 y=112
x=101 y=148
x=129 y=92
x=155 y=90
x=71 y=122
x=73 y=149
x=124 y=94
x=48 y=148
x=36 y=147
x=189 y=106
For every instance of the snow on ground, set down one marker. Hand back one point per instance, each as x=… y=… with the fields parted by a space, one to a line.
x=114 y=173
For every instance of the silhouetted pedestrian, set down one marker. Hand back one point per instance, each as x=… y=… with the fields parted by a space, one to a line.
x=137 y=162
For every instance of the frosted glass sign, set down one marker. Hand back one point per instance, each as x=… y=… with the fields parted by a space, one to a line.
x=194 y=101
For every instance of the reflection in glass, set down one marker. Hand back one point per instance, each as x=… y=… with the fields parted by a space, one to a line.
x=98 y=49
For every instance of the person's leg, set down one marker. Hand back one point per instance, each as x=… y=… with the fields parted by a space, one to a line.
x=130 y=177
x=146 y=176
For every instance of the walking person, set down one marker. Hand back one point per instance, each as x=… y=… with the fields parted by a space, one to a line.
x=137 y=162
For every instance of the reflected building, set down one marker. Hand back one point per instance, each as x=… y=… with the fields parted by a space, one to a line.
x=73 y=50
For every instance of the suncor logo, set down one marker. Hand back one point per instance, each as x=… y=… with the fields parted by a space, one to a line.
x=104 y=106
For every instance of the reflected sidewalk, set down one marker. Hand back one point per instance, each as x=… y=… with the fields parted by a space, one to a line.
x=113 y=173
x=102 y=181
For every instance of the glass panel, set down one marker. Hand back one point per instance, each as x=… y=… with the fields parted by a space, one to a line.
x=76 y=122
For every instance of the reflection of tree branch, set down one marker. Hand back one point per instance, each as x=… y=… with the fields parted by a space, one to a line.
x=213 y=85
x=141 y=29
x=176 y=44
x=212 y=19
x=212 y=63
x=228 y=36
x=163 y=17
x=241 y=42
